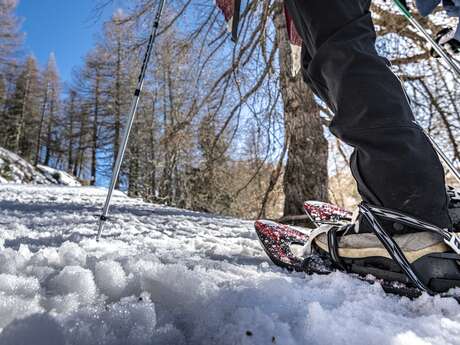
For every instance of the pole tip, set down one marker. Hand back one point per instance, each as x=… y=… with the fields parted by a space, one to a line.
x=99 y=230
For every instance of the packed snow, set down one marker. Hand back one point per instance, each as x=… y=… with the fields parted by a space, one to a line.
x=58 y=176
x=14 y=169
x=162 y=275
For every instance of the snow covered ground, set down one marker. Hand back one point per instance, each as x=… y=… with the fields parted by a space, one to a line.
x=168 y=276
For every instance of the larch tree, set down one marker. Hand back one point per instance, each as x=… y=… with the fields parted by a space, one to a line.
x=10 y=36
x=118 y=42
x=50 y=106
x=91 y=82
x=71 y=108
x=23 y=111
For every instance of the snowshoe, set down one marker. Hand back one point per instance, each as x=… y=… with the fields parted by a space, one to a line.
x=446 y=39
x=324 y=213
x=404 y=264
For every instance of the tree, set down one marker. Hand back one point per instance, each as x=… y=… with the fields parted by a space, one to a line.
x=10 y=37
x=92 y=83
x=23 y=111
x=72 y=112
x=306 y=175
x=48 y=125
x=118 y=41
x=10 y=40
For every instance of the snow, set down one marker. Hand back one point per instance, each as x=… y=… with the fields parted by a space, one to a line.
x=61 y=177
x=14 y=169
x=162 y=275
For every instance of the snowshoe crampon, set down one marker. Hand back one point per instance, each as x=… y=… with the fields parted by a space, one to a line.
x=277 y=240
x=404 y=264
x=325 y=213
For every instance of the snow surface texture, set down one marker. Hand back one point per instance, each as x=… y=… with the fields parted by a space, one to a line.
x=14 y=169
x=167 y=276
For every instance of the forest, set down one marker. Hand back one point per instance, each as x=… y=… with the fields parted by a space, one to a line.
x=222 y=127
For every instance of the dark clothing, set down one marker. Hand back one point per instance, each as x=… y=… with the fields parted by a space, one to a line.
x=394 y=164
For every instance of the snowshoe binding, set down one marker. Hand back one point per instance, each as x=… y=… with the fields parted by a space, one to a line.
x=409 y=264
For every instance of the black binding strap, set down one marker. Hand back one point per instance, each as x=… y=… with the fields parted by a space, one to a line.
x=449 y=237
x=333 y=245
x=392 y=247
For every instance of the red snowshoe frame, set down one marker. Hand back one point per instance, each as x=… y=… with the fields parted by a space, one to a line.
x=325 y=213
x=277 y=240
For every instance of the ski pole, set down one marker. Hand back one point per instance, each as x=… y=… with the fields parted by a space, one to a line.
x=441 y=153
x=446 y=159
x=450 y=62
x=428 y=37
x=132 y=114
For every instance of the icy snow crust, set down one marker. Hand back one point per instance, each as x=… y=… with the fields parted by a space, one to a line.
x=168 y=276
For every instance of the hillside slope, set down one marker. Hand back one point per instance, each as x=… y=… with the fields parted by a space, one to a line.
x=14 y=169
x=167 y=276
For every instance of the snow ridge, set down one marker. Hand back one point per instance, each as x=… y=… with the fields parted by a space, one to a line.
x=14 y=169
x=167 y=276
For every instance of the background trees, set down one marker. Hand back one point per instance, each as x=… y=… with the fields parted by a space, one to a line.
x=221 y=127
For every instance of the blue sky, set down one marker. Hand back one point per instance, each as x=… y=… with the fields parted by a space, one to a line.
x=65 y=27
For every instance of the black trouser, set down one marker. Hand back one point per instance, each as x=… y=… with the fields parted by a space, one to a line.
x=394 y=164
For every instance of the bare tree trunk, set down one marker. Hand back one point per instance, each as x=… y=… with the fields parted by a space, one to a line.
x=20 y=127
x=133 y=167
x=40 y=128
x=306 y=175
x=152 y=151
x=49 y=134
x=94 y=134
x=71 y=114
x=274 y=176
x=118 y=102
x=168 y=147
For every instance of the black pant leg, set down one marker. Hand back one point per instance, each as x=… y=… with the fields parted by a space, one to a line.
x=393 y=163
